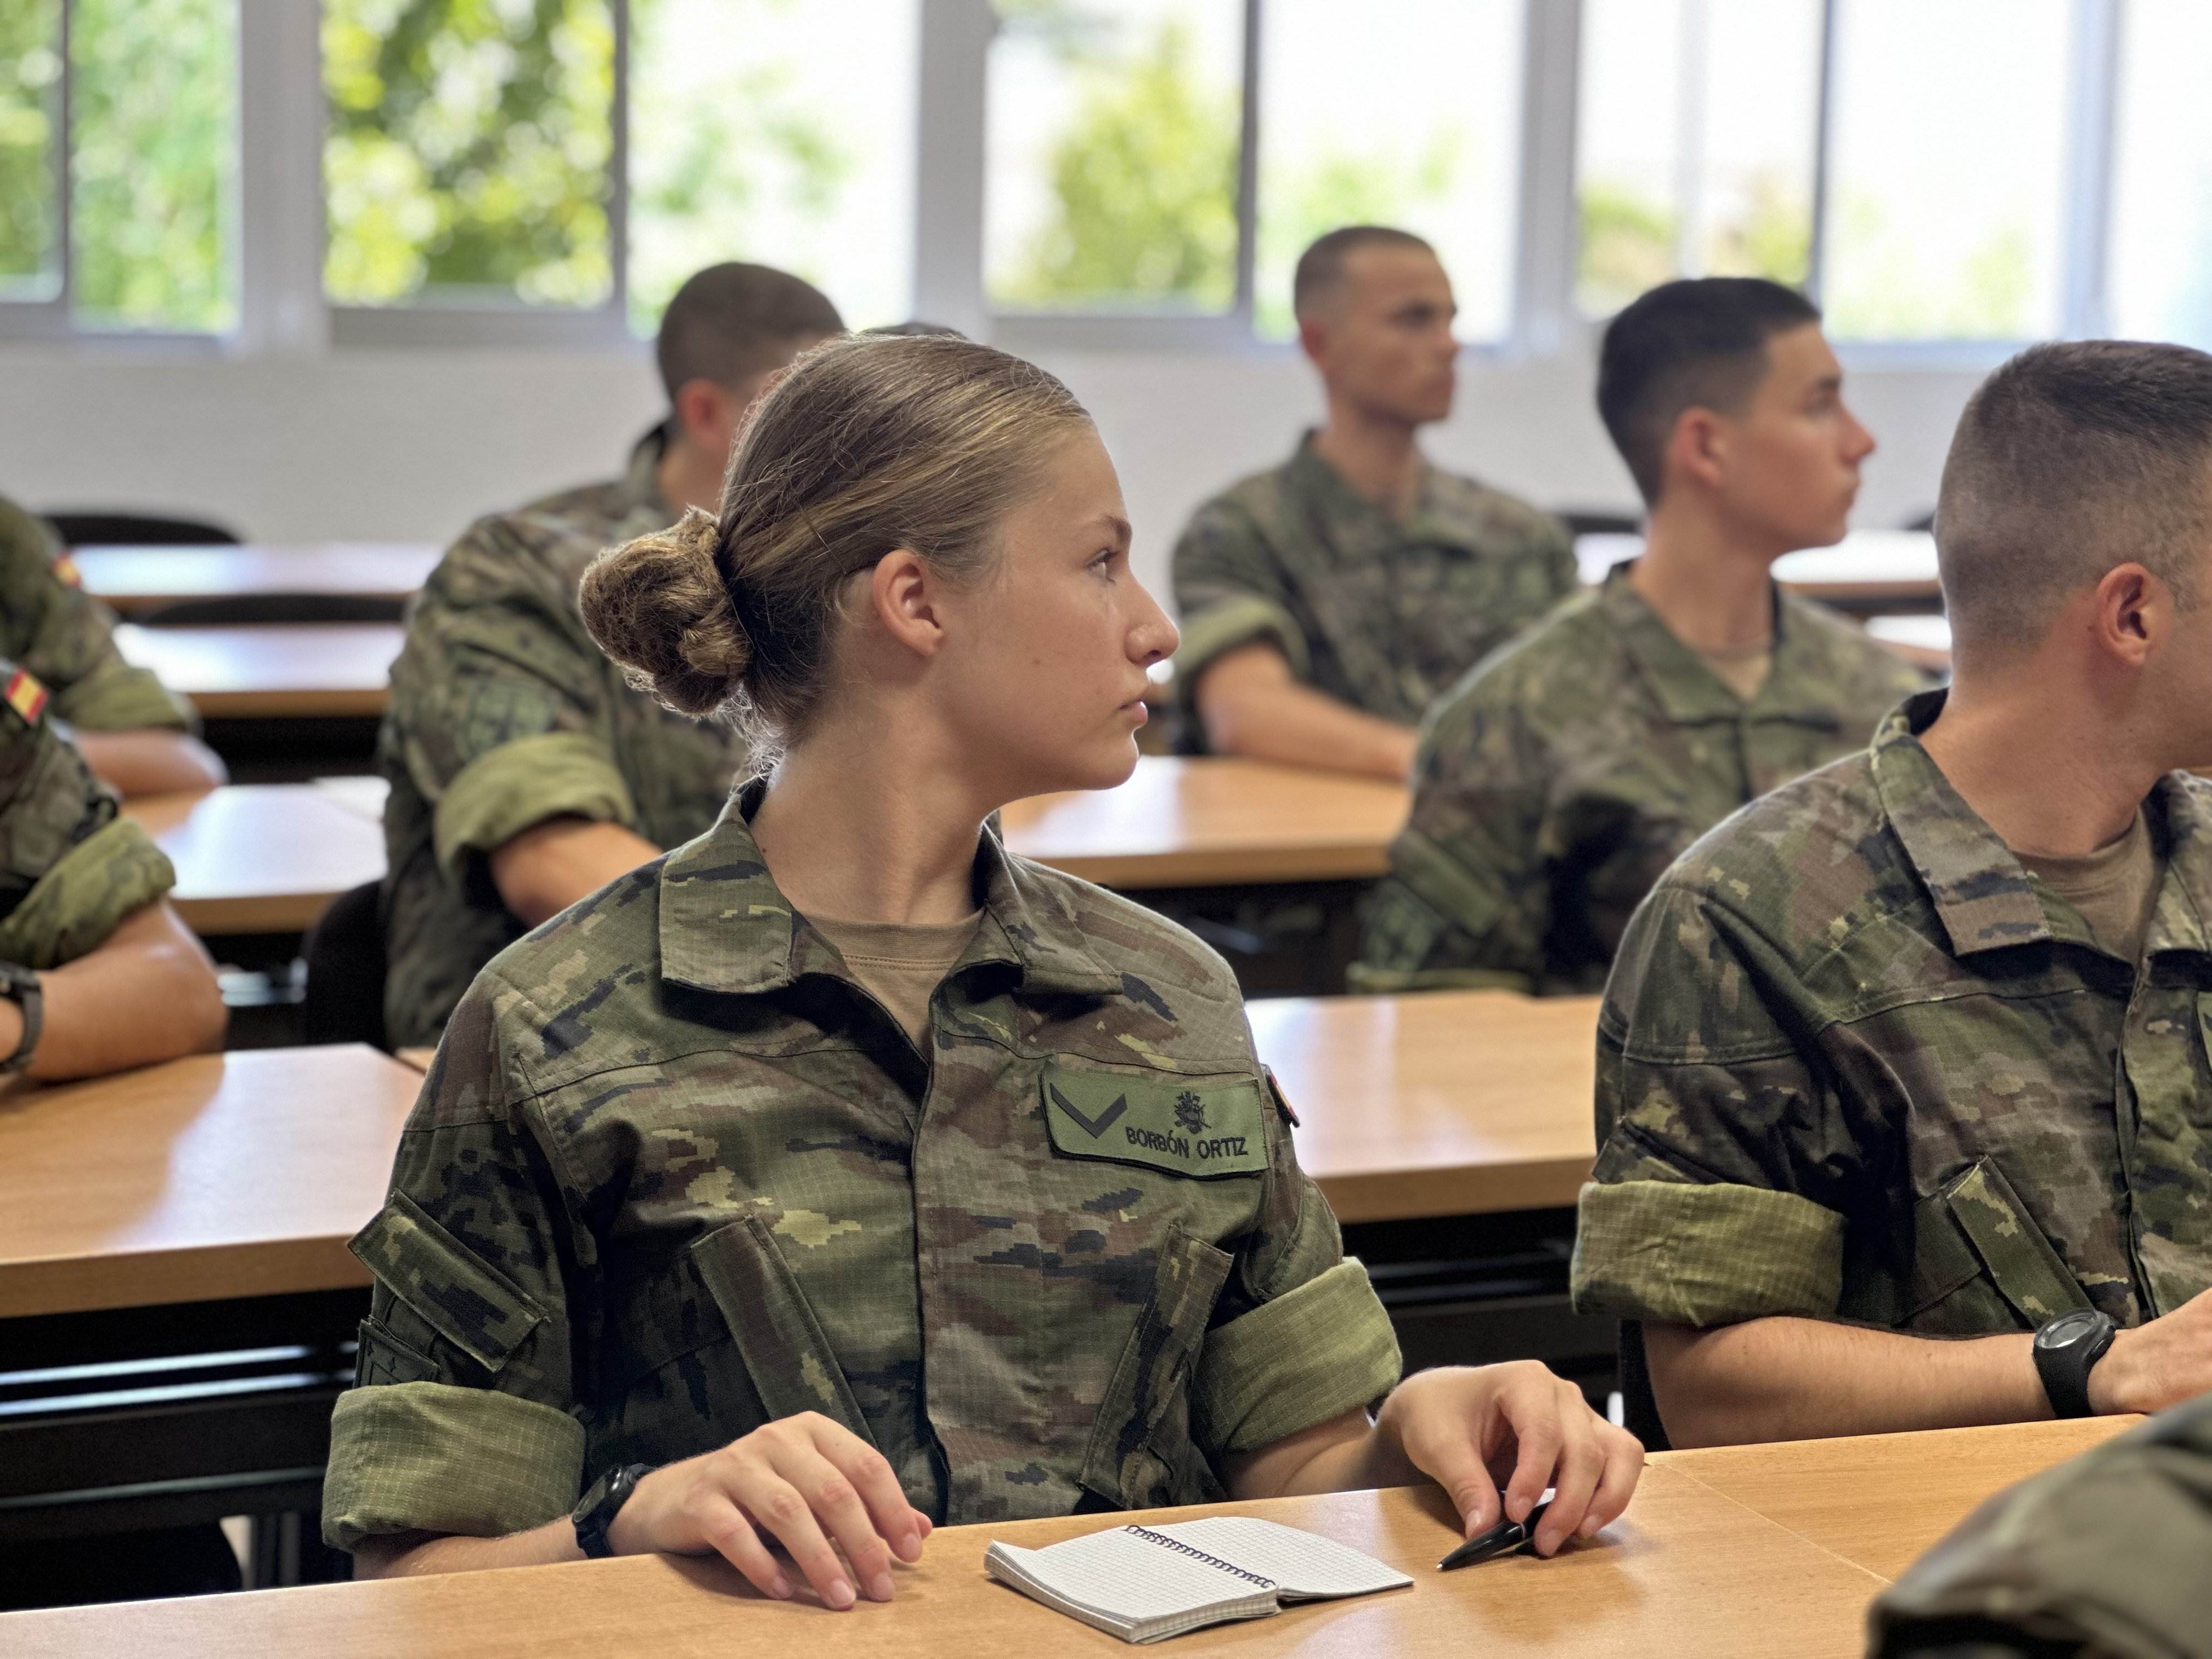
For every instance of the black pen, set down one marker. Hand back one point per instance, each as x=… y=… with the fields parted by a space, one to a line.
x=1501 y=1540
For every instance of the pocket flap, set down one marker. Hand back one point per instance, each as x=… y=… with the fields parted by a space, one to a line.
x=2027 y=1273
x=792 y=1367
x=471 y=1304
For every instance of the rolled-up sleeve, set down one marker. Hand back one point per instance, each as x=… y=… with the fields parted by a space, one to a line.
x=464 y=1417
x=1723 y=1168
x=67 y=638
x=70 y=869
x=1230 y=591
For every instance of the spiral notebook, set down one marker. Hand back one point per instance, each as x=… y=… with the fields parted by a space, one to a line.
x=1144 y=1583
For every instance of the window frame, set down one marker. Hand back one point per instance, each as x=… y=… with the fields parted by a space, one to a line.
x=278 y=242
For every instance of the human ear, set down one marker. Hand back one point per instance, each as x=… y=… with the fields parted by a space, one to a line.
x=2131 y=613
x=902 y=594
x=707 y=412
x=1698 y=447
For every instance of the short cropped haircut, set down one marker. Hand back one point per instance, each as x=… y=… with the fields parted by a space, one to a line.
x=1698 y=343
x=1321 y=267
x=731 y=323
x=2069 y=460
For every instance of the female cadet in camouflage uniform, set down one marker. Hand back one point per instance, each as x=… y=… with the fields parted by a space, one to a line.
x=975 y=1205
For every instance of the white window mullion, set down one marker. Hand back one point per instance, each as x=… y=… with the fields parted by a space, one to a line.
x=281 y=311
x=1545 y=250
x=2092 y=119
x=949 y=163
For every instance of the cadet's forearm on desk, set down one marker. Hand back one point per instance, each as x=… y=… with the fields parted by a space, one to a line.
x=1802 y=1379
x=150 y=965
x=549 y=866
x=408 y=1555
x=150 y=761
x=1251 y=704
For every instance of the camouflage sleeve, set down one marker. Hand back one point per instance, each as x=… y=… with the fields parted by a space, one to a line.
x=1557 y=544
x=70 y=869
x=2099 y=1556
x=67 y=638
x=1466 y=902
x=1300 y=1336
x=1229 y=592
x=1724 y=1164
x=495 y=701
x=464 y=1417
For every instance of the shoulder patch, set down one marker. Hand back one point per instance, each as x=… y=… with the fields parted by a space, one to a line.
x=1201 y=1128
x=25 y=695
x=1282 y=1101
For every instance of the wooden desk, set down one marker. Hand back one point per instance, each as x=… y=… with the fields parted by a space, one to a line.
x=1866 y=570
x=1218 y=821
x=261 y=858
x=137 y=579
x=213 y=1178
x=1880 y=1500
x=1445 y=1103
x=1687 y=1572
x=280 y=670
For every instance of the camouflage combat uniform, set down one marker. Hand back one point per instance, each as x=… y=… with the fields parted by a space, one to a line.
x=49 y=626
x=1379 y=615
x=71 y=868
x=2103 y=1556
x=674 y=1175
x=504 y=713
x=1854 y=1063
x=1560 y=780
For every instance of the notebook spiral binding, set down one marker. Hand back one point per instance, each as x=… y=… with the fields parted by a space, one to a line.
x=1176 y=1544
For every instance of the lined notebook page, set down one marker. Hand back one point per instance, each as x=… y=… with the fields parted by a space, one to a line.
x=1304 y=1565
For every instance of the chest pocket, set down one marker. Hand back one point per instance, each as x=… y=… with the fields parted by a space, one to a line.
x=1142 y=1454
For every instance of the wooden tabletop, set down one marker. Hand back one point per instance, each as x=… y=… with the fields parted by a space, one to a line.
x=1879 y=1500
x=1445 y=1103
x=261 y=858
x=223 y=1176
x=135 y=580
x=1866 y=567
x=281 y=671
x=1687 y=1572
x=1214 y=822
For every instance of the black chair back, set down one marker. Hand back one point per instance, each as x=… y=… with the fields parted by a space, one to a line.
x=1581 y=523
x=1639 y=1410
x=229 y=610
x=344 y=1000
x=137 y=529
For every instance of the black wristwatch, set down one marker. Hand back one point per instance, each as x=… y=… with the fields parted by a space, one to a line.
x=2065 y=1349
x=597 y=1512
x=20 y=985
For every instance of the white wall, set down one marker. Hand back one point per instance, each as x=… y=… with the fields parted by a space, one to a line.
x=409 y=446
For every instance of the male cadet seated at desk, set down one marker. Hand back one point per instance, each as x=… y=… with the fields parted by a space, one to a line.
x=525 y=773
x=1914 y=1048
x=1561 y=778
x=134 y=733
x=96 y=973
x=1325 y=603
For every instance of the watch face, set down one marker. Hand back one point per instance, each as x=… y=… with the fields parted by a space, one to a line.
x=2067 y=1328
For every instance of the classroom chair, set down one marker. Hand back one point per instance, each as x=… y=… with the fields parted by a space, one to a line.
x=1581 y=522
x=1639 y=1407
x=232 y=608
x=100 y=529
x=344 y=951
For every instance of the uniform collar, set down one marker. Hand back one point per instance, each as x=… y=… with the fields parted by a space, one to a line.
x=1353 y=524
x=1982 y=894
x=725 y=927
x=1798 y=686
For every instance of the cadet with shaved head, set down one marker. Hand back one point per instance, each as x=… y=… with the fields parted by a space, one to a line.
x=525 y=773
x=1325 y=603
x=1913 y=1049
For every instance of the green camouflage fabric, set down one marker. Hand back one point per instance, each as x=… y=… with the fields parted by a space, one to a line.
x=504 y=713
x=51 y=627
x=1377 y=614
x=71 y=868
x=1854 y=1063
x=1560 y=778
x=675 y=1174
x=2102 y=1557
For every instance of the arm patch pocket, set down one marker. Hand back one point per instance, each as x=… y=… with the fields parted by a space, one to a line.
x=471 y=1304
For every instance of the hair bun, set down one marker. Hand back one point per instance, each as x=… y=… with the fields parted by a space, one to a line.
x=659 y=607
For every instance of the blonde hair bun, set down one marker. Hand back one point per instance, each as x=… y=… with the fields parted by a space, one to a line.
x=659 y=607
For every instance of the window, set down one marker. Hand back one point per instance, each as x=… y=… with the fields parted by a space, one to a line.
x=1412 y=119
x=1948 y=169
x=144 y=162
x=1696 y=155
x=2160 y=268
x=1113 y=133
x=780 y=131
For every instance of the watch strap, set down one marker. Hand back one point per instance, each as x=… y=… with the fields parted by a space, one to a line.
x=2065 y=1366
x=21 y=985
x=602 y=1504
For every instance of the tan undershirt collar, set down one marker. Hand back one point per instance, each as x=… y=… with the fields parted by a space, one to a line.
x=901 y=964
x=2114 y=888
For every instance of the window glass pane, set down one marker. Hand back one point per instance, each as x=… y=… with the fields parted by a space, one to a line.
x=777 y=130
x=1947 y=170
x=468 y=149
x=30 y=106
x=1111 y=179
x=154 y=130
x=1412 y=119
x=2160 y=278
x=1698 y=121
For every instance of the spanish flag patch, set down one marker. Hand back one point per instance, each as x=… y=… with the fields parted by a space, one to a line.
x=66 y=573
x=25 y=696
